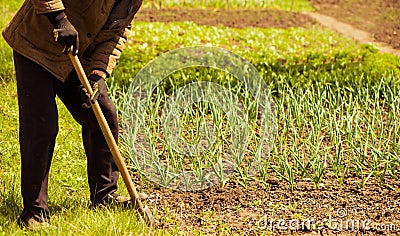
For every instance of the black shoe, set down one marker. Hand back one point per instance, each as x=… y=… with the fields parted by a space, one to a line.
x=35 y=224
x=118 y=200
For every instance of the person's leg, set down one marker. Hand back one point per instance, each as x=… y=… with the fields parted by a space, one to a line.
x=38 y=127
x=102 y=170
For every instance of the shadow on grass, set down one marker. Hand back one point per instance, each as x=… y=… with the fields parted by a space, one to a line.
x=11 y=203
x=63 y=205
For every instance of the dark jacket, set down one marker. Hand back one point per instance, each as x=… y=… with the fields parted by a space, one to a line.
x=103 y=27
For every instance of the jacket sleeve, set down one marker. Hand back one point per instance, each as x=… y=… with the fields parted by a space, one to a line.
x=45 y=6
x=110 y=41
x=108 y=49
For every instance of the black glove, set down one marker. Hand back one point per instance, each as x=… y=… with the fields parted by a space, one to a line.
x=64 y=32
x=98 y=86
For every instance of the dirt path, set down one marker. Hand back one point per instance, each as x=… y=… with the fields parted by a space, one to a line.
x=352 y=32
x=379 y=17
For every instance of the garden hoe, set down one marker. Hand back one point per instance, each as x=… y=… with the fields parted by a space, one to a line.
x=144 y=211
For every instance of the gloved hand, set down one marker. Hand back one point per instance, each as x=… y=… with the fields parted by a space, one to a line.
x=98 y=86
x=64 y=32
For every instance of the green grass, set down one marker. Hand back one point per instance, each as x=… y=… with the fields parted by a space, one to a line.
x=336 y=103
x=272 y=49
x=292 y=5
x=7 y=10
x=68 y=191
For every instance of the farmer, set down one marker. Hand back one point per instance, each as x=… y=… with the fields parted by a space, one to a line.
x=41 y=34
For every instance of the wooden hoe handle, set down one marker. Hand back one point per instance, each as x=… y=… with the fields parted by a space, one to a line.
x=144 y=211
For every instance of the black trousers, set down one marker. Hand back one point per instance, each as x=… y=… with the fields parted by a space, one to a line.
x=38 y=128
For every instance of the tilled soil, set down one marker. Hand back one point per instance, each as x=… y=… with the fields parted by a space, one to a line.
x=272 y=208
x=230 y=18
